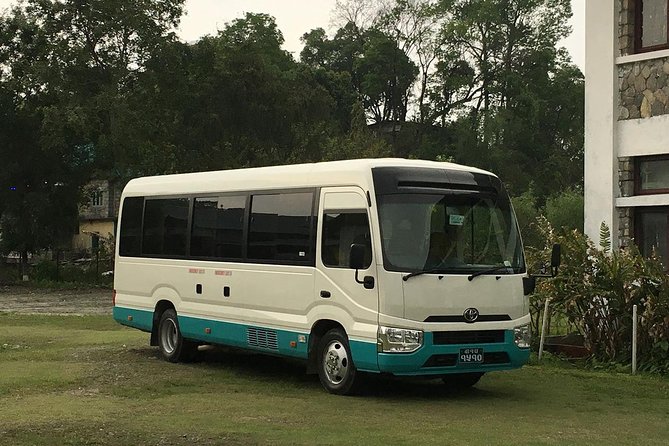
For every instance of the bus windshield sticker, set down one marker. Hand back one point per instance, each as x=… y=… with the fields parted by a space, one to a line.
x=456 y=220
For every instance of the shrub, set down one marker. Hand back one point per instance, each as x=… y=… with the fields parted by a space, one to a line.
x=565 y=211
x=597 y=288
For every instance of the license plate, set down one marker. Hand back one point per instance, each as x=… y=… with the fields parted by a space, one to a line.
x=471 y=355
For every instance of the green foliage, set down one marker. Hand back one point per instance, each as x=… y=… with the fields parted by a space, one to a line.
x=597 y=289
x=66 y=68
x=604 y=237
x=386 y=74
x=527 y=213
x=565 y=210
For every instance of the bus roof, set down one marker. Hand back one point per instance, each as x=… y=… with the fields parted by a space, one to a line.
x=331 y=173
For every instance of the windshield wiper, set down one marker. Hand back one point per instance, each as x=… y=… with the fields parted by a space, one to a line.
x=426 y=271
x=487 y=271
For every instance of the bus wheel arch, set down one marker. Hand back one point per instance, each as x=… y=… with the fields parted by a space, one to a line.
x=180 y=349
x=318 y=330
x=161 y=307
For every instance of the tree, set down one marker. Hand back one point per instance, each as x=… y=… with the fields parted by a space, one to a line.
x=521 y=124
x=386 y=74
x=67 y=68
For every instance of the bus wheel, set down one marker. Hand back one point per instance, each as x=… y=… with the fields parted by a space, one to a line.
x=460 y=381
x=173 y=346
x=335 y=365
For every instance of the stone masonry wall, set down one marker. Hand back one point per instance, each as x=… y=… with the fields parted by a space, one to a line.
x=644 y=89
x=626 y=27
x=643 y=85
x=625 y=215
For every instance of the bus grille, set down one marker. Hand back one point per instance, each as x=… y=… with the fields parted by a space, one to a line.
x=468 y=337
x=461 y=318
x=262 y=338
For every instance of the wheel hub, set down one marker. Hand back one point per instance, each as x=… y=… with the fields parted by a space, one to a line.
x=169 y=336
x=335 y=362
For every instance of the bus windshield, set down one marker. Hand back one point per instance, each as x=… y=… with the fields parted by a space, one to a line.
x=450 y=232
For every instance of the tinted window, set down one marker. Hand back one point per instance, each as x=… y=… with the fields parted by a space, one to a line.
x=131 y=225
x=165 y=227
x=340 y=231
x=653 y=175
x=653 y=233
x=653 y=23
x=280 y=227
x=218 y=227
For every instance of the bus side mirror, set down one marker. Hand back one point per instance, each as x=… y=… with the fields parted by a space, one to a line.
x=356 y=261
x=556 y=260
x=529 y=284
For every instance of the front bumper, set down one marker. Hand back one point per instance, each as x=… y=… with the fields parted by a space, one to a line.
x=440 y=359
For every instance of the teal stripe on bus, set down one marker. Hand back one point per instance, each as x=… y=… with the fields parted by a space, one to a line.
x=295 y=344
x=237 y=335
x=365 y=356
x=270 y=340
x=141 y=319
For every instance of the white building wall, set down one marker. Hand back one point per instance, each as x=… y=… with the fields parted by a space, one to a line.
x=601 y=116
x=640 y=137
x=627 y=117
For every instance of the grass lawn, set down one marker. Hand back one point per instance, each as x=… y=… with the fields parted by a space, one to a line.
x=86 y=380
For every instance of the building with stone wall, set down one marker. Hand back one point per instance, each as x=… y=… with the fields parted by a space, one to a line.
x=627 y=122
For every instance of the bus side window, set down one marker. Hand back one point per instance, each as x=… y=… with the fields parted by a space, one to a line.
x=280 y=228
x=165 y=227
x=131 y=227
x=340 y=231
x=218 y=227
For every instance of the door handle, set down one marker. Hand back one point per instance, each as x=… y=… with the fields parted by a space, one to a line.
x=325 y=294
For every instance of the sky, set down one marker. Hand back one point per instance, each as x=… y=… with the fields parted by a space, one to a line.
x=295 y=17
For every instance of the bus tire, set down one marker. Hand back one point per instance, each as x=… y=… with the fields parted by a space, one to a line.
x=173 y=347
x=336 y=369
x=461 y=381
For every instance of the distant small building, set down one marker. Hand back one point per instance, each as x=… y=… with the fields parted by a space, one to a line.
x=627 y=123
x=97 y=217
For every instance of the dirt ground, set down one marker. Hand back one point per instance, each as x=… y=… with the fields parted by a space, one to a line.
x=24 y=299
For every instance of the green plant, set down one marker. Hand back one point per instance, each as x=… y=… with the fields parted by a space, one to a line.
x=597 y=289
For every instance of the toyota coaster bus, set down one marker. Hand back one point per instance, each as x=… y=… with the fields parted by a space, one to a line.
x=402 y=267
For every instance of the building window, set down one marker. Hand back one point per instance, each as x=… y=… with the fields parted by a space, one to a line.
x=652 y=232
x=652 y=25
x=652 y=175
x=96 y=197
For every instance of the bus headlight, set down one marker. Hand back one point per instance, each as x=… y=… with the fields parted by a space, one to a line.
x=522 y=336
x=399 y=340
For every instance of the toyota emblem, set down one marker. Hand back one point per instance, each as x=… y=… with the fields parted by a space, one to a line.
x=470 y=315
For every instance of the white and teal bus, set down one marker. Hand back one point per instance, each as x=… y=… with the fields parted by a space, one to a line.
x=409 y=268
